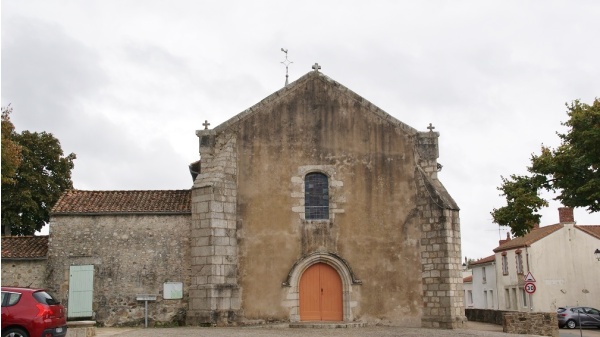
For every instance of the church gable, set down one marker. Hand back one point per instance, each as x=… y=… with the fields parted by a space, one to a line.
x=318 y=89
x=385 y=218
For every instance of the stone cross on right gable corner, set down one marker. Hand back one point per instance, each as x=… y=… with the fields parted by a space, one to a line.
x=430 y=127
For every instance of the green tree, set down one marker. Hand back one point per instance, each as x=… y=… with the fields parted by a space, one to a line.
x=572 y=171
x=11 y=151
x=43 y=174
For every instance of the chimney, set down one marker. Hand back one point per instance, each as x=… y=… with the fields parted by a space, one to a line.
x=565 y=215
x=536 y=226
x=507 y=239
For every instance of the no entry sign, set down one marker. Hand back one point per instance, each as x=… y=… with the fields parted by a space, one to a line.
x=529 y=287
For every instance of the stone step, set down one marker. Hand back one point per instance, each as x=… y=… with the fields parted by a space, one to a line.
x=327 y=325
x=81 y=328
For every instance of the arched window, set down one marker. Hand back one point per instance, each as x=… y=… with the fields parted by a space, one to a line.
x=316 y=196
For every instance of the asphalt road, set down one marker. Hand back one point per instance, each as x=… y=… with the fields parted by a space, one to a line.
x=587 y=332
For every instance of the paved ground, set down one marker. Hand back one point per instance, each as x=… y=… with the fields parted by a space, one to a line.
x=588 y=332
x=472 y=329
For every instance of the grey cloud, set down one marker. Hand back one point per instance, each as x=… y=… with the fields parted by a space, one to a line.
x=46 y=74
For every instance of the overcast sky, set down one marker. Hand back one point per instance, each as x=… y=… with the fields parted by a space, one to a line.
x=124 y=84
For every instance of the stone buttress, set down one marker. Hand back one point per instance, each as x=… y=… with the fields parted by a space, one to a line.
x=440 y=241
x=214 y=293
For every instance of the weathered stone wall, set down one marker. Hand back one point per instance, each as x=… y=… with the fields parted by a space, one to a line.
x=131 y=254
x=524 y=323
x=531 y=323
x=443 y=293
x=486 y=316
x=24 y=273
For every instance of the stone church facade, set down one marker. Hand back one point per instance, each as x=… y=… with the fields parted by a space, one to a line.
x=313 y=204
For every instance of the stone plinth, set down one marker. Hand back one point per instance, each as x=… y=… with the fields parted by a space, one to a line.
x=81 y=329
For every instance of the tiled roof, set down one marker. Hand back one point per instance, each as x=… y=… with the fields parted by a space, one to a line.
x=529 y=238
x=468 y=279
x=541 y=233
x=484 y=260
x=136 y=202
x=24 y=247
x=591 y=230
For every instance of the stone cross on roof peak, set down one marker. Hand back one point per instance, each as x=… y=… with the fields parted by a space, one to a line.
x=316 y=67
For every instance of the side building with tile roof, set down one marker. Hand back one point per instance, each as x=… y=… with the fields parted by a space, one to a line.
x=108 y=247
x=483 y=283
x=560 y=258
x=24 y=261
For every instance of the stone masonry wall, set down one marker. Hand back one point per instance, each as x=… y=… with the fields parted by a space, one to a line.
x=531 y=323
x=485 y=315
x=24 y=273
x=131 y=255
x=442 y=293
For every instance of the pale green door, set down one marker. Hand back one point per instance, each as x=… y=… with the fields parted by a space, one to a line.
x=81 y=291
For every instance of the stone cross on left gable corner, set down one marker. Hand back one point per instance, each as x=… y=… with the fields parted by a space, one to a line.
x=205 y=124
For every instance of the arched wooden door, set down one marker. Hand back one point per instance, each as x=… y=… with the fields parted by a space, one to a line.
x=321 y=294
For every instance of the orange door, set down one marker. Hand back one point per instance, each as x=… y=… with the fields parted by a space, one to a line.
x=321 y=294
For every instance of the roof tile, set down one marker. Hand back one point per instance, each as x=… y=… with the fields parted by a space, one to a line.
x=107 y=202
x=24 y=247
x=540 y=233
x=592 y=230
x=529 y=238
x=484 y=260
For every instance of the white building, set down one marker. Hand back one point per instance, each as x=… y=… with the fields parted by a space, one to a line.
x=562 y=264
x=467 y=275
x=484 y=294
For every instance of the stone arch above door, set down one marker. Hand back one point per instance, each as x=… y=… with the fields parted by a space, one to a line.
x=349 y=283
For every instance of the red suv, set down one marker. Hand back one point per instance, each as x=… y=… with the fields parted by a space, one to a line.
x=30 y=312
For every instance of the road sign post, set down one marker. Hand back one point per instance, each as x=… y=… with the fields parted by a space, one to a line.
x=146 y=298
x=529 y=287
